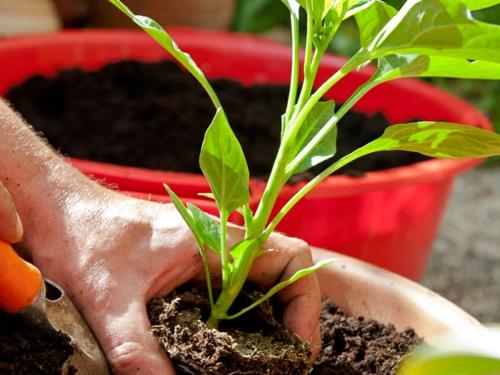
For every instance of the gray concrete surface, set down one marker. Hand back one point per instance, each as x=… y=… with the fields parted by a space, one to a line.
x=465 y=265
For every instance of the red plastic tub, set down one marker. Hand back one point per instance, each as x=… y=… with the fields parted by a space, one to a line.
x=389 y=218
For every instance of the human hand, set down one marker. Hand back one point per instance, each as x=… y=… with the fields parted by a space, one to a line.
x=112 y=254
x=11 y=229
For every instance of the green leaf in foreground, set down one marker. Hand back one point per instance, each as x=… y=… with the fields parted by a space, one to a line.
x=159 y=34
x=397 y=66
x=472 y=355
x=282 y=285
x=317 y=118
x=356 y=6
x=438 y=27
x=371 y=19
x=187 y=216
x=436 y=139
x=480 y=4
x=223 y=163
x=208 y=228
x=199 y=238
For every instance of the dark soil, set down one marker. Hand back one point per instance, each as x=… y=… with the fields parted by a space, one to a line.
x=26 y=349
x=351 y=346
x=154 y=115
x=355 y=346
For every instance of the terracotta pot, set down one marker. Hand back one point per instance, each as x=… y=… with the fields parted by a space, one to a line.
x=207 y=14
x=361 y=289
x=376 y=218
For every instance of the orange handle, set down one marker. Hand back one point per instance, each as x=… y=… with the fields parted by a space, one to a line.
x=20 y=281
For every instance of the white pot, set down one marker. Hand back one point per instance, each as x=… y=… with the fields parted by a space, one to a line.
x=361 y=289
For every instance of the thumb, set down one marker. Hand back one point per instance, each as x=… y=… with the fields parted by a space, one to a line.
x=130 y=347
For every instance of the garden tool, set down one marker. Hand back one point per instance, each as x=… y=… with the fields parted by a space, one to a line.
x=42 y=302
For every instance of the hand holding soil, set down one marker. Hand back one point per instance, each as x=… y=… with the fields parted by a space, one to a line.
x=112 y=253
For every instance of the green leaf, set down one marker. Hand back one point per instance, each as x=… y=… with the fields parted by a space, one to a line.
x=198 y=236
x=436 y=139
x=396 y=66
x=480 y=4
x=238 y=252
x=355 y=6
x=317 y=118
x=192 y=222
x=454 y=364
x=320 y=8
x=186 y=215
x=438 y=27
x=151 y=27
x=223 y=163
x=207 y=227
x=324 y=29
x=371 y=20
x=241 y=247
x=472 y=355
x=282 y=285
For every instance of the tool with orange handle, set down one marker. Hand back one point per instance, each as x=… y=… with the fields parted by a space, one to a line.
x=42 y=302
x=21 y=283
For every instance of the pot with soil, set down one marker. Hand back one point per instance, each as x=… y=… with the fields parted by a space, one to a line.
x=386 y=217
x=375 y=320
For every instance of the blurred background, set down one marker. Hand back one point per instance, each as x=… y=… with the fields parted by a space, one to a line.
x=465 y=266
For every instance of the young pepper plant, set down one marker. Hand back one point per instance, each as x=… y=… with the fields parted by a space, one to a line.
x=425 y=38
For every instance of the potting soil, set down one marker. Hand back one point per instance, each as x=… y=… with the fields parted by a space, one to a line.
x=356 y=346
x=350 y=345
x=154 y=115
x=26 y=349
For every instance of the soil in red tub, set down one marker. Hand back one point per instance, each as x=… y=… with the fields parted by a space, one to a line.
x=154 y=115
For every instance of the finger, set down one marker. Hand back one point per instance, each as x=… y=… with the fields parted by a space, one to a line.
x=130 y=347
x=303 y=302
x=11 y=229
x=302 y=298
x=315 y=343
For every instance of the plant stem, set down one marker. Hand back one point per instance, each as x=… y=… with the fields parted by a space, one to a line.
x=306 y=189
x=353 y=99
x=309 y=75
x=238 y=279
x=208 y=276
x=224 y=251
x=234 y=279
x=309 y=39
x=294 y=79
x=273 y=187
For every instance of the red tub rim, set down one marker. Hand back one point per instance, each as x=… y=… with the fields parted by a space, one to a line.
x=422 y=171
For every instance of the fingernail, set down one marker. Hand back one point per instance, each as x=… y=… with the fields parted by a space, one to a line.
x=19 y=227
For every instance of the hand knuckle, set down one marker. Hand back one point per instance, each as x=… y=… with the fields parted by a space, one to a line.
x=126 y=358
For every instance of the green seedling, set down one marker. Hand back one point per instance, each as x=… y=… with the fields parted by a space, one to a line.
x=425 y=38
